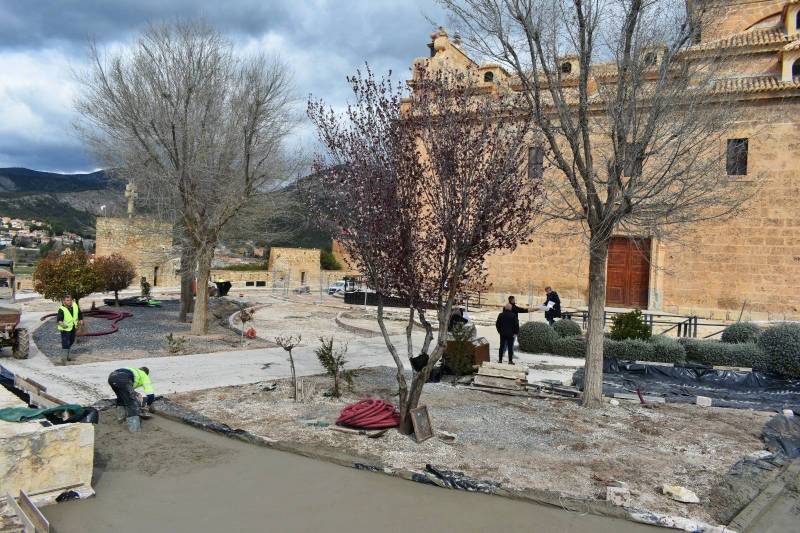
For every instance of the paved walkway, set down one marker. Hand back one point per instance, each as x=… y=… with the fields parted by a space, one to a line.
x=86 y=383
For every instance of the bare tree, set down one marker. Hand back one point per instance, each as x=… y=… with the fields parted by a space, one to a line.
x=199 y=128
x=423 y=187
x=630 y=113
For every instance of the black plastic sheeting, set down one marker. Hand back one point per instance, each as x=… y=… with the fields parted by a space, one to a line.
x=782 y=435
x=459 y=480
x=682 y=384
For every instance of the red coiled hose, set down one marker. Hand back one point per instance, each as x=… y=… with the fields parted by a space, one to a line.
x=369 y=414
x=108 y=314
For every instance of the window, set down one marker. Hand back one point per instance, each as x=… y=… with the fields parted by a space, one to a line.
x=261 y=283
x=566 y=67
x=249 y=283
x=797 y=21
x=796 y=67
x=736 y=157
x=650 y=59
x=488 y=77
x=633 y=160
x=535 y=162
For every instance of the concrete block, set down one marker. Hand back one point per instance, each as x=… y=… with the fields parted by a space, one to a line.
x=703 y=401
x=620 y=496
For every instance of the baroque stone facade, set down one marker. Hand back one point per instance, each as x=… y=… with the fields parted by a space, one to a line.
x=145 y=243
x=713 y=269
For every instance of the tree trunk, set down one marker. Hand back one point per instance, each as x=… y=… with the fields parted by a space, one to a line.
x=294 y=377
x=593 y=383
x=116 y=298
x=187 y=275
x=200 y=316
x=402 y=386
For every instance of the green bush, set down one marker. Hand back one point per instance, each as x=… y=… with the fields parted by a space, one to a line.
x=781 y=344
x=327 y=261
x=629 y=326
x=716 y=353
x=741 y=332
x=567 y=328
x=570 y=347
x=460 y=355
x=536 y=337
x=667 y=349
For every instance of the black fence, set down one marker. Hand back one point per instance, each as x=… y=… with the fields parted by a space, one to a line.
x=358 y=298
x=681 y=326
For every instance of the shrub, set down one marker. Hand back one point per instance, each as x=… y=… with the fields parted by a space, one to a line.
x=570 y=347
x=629 y=326
x=667 y=350
x=327 y=261
x=536 y=337
x=716 y=353
x=567 y=328
x=741 y=332
x=59 y=275
x=175 y=344
x=333 y=361
x=114 y=273
x=781 y=344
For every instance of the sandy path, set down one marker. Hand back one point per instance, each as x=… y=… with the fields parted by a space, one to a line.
x=172 y=478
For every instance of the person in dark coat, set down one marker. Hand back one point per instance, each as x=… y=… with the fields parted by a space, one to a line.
x=456 y=319
x=507 y=325
x=552 y=306
x=515 y=308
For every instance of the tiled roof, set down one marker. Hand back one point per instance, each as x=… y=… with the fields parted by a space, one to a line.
x=754 y=85
x=748 y=38
x=794 y=45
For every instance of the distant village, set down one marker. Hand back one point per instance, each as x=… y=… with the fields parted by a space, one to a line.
x=38 y=234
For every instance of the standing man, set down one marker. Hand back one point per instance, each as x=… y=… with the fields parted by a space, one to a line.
x=70 y=318
x=124 y=382
x=507 y=325
x=552 y=306
x=516 y=309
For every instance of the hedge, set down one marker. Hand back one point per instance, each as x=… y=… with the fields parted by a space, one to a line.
x=741 y=332
x=570 y=347
x=536 y=337
x=716 y=353
x=567 y=328
x=660 y=349
x=781 y=344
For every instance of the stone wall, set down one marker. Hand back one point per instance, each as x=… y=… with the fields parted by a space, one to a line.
x=145 y=243
x=298 y=265
x=275 y=279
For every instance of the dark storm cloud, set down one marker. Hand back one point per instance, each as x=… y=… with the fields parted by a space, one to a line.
x=322 y=41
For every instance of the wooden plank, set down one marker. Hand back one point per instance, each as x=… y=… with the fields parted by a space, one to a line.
x=651 y=399
x=496 y=372
x=27 y=385
x=27 y=524
x=421 y=420
x=39 y=521
x=43 y=400
x=504 y=366
x=733 y=368
x=501 y=383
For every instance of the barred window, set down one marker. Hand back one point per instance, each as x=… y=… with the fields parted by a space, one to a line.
x=536 y=162
x=736 y=157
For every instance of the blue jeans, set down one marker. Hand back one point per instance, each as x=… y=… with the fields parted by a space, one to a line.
x=507 y=342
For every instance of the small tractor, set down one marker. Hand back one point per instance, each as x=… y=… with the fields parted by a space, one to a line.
x=10 y=333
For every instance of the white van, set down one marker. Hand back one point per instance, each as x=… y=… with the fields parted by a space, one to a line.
x=337 y=287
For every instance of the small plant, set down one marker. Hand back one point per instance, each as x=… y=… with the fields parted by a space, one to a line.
x=175 y=344
x=245 y=316
x=536 y=337
x=289 y=343
x=333 y=361
x=145 y=286
x=629 y=326
x=460 y=355
x=741 y=332
x=781 y=344
x=567 y=328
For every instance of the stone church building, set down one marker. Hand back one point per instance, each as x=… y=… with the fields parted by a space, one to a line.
x=717 y=268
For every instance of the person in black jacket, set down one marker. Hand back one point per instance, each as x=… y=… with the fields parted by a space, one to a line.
x=552 y=306
x=514 y=307
x=507 y=325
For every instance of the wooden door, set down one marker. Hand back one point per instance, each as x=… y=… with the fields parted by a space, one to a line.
x=628 y=272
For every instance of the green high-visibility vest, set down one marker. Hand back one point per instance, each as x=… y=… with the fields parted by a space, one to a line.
x=70 y=318
x=141 y=379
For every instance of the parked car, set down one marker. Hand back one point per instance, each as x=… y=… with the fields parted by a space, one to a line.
x=336 y=287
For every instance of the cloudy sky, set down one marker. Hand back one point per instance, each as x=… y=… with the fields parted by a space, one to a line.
x=43 y=43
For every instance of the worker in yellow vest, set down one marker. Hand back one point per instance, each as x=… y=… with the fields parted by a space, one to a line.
x=70 y=318
x=124 y=382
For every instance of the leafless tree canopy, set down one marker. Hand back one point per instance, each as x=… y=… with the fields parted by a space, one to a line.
x=630 y=112
x=197 y=127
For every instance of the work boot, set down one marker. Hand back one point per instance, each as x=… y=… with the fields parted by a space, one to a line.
x=121 y=413
x=134 y=424
x=63 y=358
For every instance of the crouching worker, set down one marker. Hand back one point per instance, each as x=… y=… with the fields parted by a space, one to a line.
x=124 y=382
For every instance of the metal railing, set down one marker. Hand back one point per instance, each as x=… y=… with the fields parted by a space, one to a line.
x=682 y=326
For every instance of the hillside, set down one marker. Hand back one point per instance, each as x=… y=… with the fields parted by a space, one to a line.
x=68 y=201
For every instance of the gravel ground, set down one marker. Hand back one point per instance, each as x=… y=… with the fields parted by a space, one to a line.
x=144 y=335
x=522 y=443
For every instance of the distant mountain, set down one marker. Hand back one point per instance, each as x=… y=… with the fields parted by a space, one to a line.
x=24 y=180
x=67 y=201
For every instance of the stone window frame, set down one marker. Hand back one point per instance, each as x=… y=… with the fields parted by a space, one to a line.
x=488 y=77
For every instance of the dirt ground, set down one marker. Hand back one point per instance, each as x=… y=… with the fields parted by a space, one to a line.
x=145 y=335
x=522 y=443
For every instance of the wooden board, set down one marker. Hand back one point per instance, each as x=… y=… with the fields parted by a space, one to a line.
x=43 y=400
x=495 y=372
x=504 y=366
x=421 y=420
x=500 y=383
x=27 y=385
x=27 y=523
x=635 y=397
x=29 y=508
